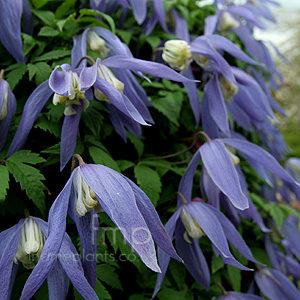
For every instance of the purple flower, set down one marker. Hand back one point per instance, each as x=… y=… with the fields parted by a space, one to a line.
x=238 y=296
x=10 y=23
x=193 y=219
x=93 y=186
x=7 y=109
x=28 y=243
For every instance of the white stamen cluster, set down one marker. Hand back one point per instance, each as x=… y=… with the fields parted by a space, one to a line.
x=31 y=243
x=106 y=74
x=74 y=95
x=96 y=44
x=85 y=198
x=177 y=53
x=192 y=227
x=227 y=22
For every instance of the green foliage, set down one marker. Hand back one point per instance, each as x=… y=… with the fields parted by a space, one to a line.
x=52 y=55
x=4 y=182
x=102 y=158
x=16 y=73
x=29 y=177
x=40 y=71
x=149 y=181
x=108 y=275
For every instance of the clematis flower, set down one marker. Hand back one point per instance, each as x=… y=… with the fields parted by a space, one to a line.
x=238 y=296
x=91 y=186
x=10 y=23
x=28 y=243
x=193 y=219
x=7 y=109
x=275 y=285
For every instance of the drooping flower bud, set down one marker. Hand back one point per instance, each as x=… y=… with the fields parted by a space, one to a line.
x=74 y=95
x=96 y=44
x=177 y=53
x=228 y=88
x=192 y=227
x=31 y=243
x=105 y=73
x=3 y=109
x=85 y=198
x=227 y=22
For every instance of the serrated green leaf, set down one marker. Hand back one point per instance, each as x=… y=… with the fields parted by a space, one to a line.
x=170 y=106
x=61 y=23
x=101 y=157
x=46 y=16
x=277 y=215
x=107 y=274
x=53 y=55
x=29 y=177
x=28 y=43
x=48 y=31
x=52 y=126
x=16 y=73
x=234 y=277
x=4 y=182
x=41 y=71
x=149 y=181
x=216 y=264
x=53 y=149
x=137 y=143
x=39 y=3
x=101 y=291
x=93 y=12
x=124 y=164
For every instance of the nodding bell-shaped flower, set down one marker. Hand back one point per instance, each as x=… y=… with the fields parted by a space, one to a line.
x=96 y=43
x=177 y=53
x=106 y=74
x=228 y=88
x=31 y=243
x=227 y=22
x=74 y=95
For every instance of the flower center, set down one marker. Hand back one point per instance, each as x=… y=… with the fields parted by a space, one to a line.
x=177 y=54
x=85 y=198
x=193 y=229
x=74 y=96
x=96 y=44
x=227 y=22
x=201 y=60
x=106 y=74
x=31 y=243
x=3 y=111
x=228 y=88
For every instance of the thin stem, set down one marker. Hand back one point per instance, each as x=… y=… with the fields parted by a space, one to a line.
x=80 y=160
x=155 y=51
x=205 y=135
x=2 y=74
x=85 y=57
x=26 y=213
x=224 y=292
x=182 y=197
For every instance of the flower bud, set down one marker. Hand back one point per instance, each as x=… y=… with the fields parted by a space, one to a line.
x=85 y=198
x=228 y=22
x=228 y=88
x=3 y=109
x=31 y=243
x=177 y=54
x=96 y=44
x=105 y=73
x=192 y=227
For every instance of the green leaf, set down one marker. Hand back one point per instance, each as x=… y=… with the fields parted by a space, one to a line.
x=28 y=43
x=216 y=264
x=170 y=294
x=61 y=23
x=92 y=12
x=137 y=143
x=41 y=71
x=52 y=126
x=124 y=35
x=101 y=291
x=149 y=181
x=163 y=165
x=137 y=297
x=4 y=182
x=53 y=149
x=93 y=120
x=124 y=164
x=153 y=41
x=107 y=274
x=48 y=31
x=277 y=215
x=16 y=73
x=29 y=177
x=170 y=106
x=39 y=3
x=289 y=210
x=63 y=8
x=101 y=157
x=53 y=55
x=46 y=16
x=234 y=277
